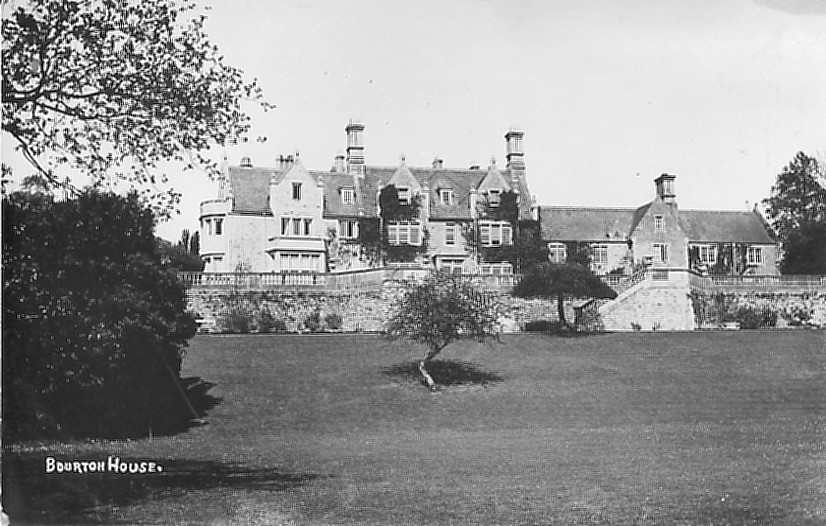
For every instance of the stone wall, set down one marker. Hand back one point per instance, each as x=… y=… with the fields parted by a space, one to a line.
x=359 y=311
x=650 y=306
x=792 y=309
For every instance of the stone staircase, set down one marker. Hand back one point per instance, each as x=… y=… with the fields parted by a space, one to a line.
x=650 y=300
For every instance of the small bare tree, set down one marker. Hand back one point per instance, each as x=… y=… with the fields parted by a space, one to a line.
x=441 y=309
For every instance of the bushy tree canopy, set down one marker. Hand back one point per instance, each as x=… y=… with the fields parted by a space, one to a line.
x=797 y=211
x=562 y=281
x=440 y=310
x=113 y=87
x=94 y=328
x=805 y=249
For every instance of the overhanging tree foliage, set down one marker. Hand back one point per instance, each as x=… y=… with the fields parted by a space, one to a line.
x=440 y=310
x=94 y=328
x=562 y=281
x=110 y=88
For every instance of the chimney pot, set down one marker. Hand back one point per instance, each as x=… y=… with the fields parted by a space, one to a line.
x=246 y=162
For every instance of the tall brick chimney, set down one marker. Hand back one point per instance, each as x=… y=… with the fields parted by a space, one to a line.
x=355 y=147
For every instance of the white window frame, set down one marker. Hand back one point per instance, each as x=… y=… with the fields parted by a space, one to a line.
x=659 y=223
x=404 y=195
x=452 y=265
x=446 y=196
x=497 y=268
x=661 y=252
x=494 y=198
x=296 y=226
x=348 y=196
x=219 y=226
x=599 y=254
x=707 y=254
x=296 y=189
x=754 y=255
x=348 y=229
x=300 y=261
x=450 y=233
x=404 y=233
x=495 y=233
x=557 y=252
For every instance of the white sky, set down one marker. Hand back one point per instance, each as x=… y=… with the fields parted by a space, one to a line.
x=720 y=93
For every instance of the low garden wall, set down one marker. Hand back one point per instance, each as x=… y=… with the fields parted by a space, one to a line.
x=313 y=311
x=754 y=309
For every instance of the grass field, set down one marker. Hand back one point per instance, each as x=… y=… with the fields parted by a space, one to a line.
x=722 y=428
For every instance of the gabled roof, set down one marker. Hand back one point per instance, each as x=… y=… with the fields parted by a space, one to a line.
x=403 y=178
x=590 y=224
x=494 y=180
x=568 y=223
x=333 y=184
x=724 y=226
x=250 y=189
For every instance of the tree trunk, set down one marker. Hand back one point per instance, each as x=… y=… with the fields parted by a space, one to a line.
x=427 y=378
x=560 y=306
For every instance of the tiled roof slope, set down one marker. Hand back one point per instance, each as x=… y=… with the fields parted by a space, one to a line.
x=724 y=226
x=598 y=224
x=333 y=184
x=460 y=181
x=250 y=189
x=566 y=223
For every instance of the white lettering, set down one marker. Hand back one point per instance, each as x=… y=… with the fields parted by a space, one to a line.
x=50 y=464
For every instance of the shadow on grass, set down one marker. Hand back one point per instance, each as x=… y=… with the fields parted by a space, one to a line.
x=191 y=414
x=31 y=496
x=445 y=373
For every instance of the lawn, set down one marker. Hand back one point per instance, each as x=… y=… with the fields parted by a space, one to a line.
x=705 y=428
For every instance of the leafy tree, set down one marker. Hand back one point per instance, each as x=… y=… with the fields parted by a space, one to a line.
x=797 y=196
x=440 y=310
x=94 y=328
x=805 y=249
x=178 y=257
x=195 y=244
x=562 y=281
x=112 y=87
x=184 y=241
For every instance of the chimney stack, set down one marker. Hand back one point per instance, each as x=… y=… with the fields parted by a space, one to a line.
x=355 y=147
x=665 y=188
x=339 y=166
x=515 y=154
x=246 y=162
x=438 y=163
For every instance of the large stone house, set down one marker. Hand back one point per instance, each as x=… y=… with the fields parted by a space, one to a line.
x=660 y=235
x=286 y=218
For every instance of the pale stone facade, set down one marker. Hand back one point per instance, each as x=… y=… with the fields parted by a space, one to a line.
x=289 y=219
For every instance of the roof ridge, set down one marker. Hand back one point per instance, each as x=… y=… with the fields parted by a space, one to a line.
x=585 y=207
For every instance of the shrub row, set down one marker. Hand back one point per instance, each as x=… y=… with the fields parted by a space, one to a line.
x=239 y=321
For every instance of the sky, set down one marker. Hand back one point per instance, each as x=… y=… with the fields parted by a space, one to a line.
x=609 y=94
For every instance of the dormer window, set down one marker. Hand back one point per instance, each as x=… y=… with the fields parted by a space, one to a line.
x=348 y=196
x=446 y=196
x=404 y=196
x=494 y=198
